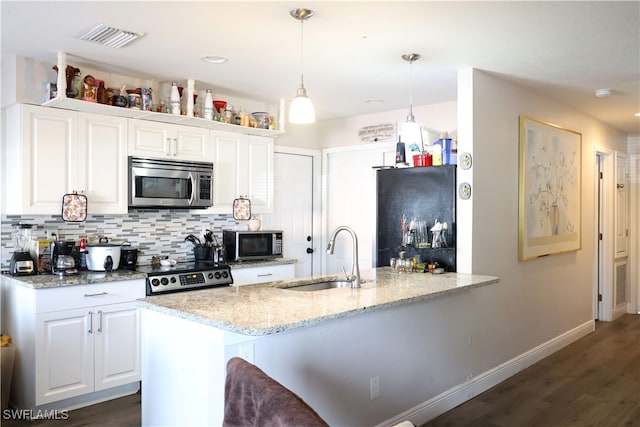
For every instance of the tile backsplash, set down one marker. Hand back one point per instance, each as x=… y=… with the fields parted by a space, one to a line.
x=153 y=232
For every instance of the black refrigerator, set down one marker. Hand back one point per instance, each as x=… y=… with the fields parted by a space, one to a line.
x=410 y=203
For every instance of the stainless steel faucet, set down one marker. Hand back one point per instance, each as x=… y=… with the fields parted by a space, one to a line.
x=355 y=267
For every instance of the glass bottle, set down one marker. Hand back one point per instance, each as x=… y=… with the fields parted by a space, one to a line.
x=175 y=99
x=208 y=105
x=102 y=93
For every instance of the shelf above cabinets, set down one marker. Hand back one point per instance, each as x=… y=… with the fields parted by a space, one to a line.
x=90 y=107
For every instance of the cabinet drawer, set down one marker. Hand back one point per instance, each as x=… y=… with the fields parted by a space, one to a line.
x=69 y=297
x=253 y=275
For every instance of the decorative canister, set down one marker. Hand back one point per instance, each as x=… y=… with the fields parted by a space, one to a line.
x=135 y=102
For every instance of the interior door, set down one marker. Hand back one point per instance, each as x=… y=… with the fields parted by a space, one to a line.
x=293 y=209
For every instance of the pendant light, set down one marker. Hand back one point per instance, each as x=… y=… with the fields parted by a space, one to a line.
x=411 y=131
x=301 y=110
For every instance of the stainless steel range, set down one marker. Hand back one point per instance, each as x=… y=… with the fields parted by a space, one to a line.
x=187 y=276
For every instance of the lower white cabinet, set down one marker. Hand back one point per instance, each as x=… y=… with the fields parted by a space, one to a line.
x=262 y=274
x=85 y=350
x=73 y=342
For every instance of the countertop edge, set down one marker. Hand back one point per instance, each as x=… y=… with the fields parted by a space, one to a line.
x=51 y=281
x=485 y=280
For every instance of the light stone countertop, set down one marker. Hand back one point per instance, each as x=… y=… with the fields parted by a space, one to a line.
x=43 y=281
x=267 y=308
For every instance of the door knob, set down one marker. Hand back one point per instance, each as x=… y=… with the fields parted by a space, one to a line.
x=309 y=250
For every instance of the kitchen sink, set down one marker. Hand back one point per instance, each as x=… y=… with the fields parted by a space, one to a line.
x=319 y=286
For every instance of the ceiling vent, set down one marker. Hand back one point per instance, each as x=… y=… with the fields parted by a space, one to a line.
x=109 y=36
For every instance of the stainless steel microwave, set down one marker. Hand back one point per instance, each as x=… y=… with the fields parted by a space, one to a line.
x=252 y=245
x=159 y=183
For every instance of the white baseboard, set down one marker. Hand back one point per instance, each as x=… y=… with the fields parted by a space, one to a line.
x=459 y=394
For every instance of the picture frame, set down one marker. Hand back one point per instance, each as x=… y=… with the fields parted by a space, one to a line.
x=550 y=189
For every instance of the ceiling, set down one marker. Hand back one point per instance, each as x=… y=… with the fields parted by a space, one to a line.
x=352 y=50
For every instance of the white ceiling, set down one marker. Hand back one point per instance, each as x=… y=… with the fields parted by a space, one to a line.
x=560 y=50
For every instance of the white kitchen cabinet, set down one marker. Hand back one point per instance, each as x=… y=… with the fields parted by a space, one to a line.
x=86 y=350
x=262 y=274
x=40 y=150
x=242 y=166
x=51 y=152
x=102 y=163
x=163 y=140
x=77 y=343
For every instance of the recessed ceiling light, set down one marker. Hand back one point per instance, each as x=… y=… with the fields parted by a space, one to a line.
x=214 y=59
x=602 y=93
x=374 y=101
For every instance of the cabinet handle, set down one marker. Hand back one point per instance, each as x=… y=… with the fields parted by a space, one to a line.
x=99 y=321
x=96 y=295
x=619 y=185
x=91 y=322
x=265 y=274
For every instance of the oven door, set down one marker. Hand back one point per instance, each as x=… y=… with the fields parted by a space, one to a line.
x=155 y=187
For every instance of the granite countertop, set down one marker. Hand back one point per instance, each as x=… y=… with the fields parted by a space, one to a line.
x=253 y=264
x=43 y=281
x=268 y=308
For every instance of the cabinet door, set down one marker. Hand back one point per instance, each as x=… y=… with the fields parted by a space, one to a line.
x=117 y=345
x=40 y=162
x=102 y=163
x=242 y=166
x=259 y=173
x=190 y=143
x=253 y=275
x=149 y=139
x=621 y=213
x=64 y=354
x=226 y=180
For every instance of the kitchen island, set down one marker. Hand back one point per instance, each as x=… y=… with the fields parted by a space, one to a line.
x=355 y=355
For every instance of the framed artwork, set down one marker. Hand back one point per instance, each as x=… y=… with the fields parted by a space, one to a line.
x=550 y=189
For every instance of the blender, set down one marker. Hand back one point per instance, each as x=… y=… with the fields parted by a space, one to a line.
x=22 y=264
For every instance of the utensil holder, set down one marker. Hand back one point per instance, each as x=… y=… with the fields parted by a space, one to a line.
x=202 y=252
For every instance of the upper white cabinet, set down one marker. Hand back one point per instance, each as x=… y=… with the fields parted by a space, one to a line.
x=242 y=166
x=51 y=152
x=102 y=162
x=154 y=139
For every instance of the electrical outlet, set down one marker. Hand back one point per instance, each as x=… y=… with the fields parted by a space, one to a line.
x=374 y=387
x=245 y=351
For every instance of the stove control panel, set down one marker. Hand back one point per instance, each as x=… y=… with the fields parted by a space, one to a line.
x=167 y=282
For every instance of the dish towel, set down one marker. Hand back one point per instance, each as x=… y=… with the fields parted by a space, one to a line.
x=252 y=398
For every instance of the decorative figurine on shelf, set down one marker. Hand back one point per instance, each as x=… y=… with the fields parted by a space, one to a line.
x=72 y=73
x=89 y=89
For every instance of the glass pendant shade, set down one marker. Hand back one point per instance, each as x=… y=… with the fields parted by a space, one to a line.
x=411 y=132
x=301 y=110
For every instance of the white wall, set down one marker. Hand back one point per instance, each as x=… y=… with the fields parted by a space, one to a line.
x=537 y=302
x=539 y=299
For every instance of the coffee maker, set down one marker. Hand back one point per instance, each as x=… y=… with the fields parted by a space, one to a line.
x=21 y=263
x=62 y=260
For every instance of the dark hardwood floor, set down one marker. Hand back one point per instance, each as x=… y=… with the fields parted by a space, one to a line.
x=592 y=382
